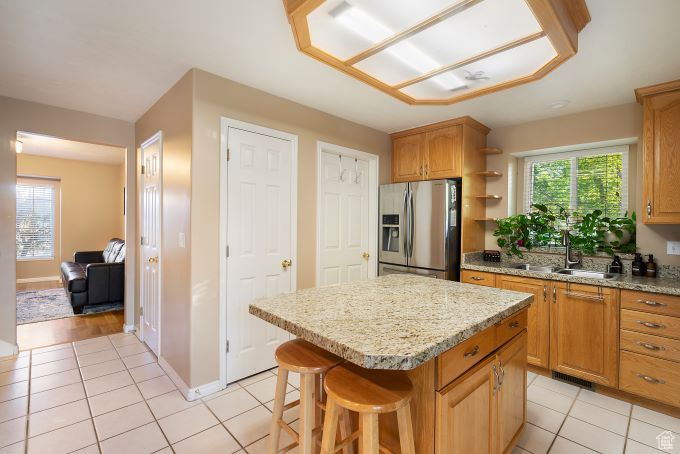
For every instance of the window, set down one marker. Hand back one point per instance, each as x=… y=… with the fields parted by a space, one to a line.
x=35 y=220
x=581 y=181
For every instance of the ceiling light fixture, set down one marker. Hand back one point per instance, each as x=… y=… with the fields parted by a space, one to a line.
x=366 y=26
x=422 y=54
x=19 y=146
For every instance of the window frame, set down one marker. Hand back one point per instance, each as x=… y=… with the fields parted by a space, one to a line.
x=55 y=184
x=573 y=155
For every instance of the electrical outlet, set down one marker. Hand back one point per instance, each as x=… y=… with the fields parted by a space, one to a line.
x=182 y=240
x=673 y=247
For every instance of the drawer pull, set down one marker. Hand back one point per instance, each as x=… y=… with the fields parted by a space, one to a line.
x=649 y=379
x=651 y=303
x=477 y=278
x=472 y=352
x=514 y=324
x=650 y=324
x=653 y=347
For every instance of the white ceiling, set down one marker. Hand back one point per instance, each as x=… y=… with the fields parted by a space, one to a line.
x=53 y=147
x=116 y=58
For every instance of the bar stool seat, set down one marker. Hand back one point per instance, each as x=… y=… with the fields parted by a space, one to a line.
x=311 y=362
x=370 y=393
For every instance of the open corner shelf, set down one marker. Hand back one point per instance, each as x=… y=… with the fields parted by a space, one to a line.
x=490 y=173
x=489 y=196
x=491 y=150
x=485 y=219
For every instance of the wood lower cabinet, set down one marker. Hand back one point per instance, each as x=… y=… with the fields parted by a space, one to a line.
x=408 y=158
x=538 y=324
x=484 y=411
x=661 y=153
x=584 y=332
x=478 y=277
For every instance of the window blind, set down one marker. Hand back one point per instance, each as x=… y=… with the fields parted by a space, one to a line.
x=581 y=181
x=35 y=221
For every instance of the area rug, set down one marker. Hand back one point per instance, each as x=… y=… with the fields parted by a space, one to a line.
x=40 y=305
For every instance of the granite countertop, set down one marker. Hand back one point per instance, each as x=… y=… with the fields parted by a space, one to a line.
x=667 y=286
x=391 y=322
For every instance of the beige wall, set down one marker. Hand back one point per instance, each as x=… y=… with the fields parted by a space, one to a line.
x=17 y=115
x=599 y=125
x=172 y=115
x=91 y=207
x=194 y=304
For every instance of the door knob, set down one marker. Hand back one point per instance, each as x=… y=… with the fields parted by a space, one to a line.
x=286 y=263
x=365 y=255
x=153 y=259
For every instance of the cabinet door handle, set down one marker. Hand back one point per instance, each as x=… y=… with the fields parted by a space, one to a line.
x=472 y=352
x=496 y=379
x=477 y=278
x=649 y=208
x=651 y=303
x=648 y=346
x=554 y=295
x=514 y=324
x=649 y=379
x=545 y=293
x=502 y=377
x=651 y=324
x=427 y=169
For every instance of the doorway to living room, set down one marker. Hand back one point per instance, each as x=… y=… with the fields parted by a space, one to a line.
x=70 y=239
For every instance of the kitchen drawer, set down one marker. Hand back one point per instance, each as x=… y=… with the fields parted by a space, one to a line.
x=463 y=356
x=650 y=377
x=511 y=326
x=478 y=277
x=646 y=344
x=651 y=302
x=644 y=322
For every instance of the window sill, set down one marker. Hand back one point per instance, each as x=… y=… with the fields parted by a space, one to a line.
x=35 y=259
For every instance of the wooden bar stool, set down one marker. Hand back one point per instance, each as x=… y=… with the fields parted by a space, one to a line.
x=370 y=393
x=311 y=362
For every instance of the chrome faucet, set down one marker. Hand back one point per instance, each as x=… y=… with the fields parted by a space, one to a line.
x=566 y=242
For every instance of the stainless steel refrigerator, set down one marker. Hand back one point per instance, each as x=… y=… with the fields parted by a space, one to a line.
x=420 y=229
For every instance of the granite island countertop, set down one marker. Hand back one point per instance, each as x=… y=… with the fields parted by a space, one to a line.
x=667 y=286
x=391 y=322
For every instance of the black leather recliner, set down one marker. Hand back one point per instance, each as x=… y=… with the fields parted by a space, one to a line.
x=95 y=277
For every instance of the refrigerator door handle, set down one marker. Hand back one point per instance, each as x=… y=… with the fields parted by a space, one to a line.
x=405 y=221
x=412 y=221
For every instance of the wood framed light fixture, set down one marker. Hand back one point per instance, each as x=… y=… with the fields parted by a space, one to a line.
x=439 y=51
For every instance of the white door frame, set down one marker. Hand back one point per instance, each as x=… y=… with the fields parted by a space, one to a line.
x=225 y=124
x=157 y=136
x=373 y=166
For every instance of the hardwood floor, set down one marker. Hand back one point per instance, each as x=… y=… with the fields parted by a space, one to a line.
x=71 y=329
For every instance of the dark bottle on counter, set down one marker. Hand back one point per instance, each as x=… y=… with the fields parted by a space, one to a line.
x=616 y=266
x=651 y=267
x=638 y=265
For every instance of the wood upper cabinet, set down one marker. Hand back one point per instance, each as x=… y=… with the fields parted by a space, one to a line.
x=538 y=324
x=661 y=153
x=443 y=157
x=484 y=411
x=584 y=332
x=408 y=158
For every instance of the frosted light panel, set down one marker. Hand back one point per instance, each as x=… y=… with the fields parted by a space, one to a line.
x=340 y=28
x=506 y=66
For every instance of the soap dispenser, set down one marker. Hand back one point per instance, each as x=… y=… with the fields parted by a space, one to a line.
x=616 y=266
x=638 y=266
x=651 y=267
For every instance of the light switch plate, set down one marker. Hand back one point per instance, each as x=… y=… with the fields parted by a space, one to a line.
x=182 y=240
x=673 y=247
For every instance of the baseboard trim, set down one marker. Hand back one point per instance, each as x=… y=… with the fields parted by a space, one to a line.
x=189 y=394
x=28 y=280
x=129 y=328
x=7 y=349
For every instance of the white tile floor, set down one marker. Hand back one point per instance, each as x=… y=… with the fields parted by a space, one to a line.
x=108 y=395
x=565 y=419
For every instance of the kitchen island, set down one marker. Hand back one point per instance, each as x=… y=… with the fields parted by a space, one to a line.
x=463 y=347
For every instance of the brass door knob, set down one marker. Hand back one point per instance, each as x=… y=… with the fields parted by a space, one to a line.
x=286 y=263
x=153 y=259
x=365 y=255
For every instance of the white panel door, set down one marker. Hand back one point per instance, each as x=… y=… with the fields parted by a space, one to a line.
x=344 y=218
x=259 y=237
x=150 y=289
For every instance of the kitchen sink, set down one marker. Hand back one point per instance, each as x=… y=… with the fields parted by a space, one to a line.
x=587 y=273
x=542 y=269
